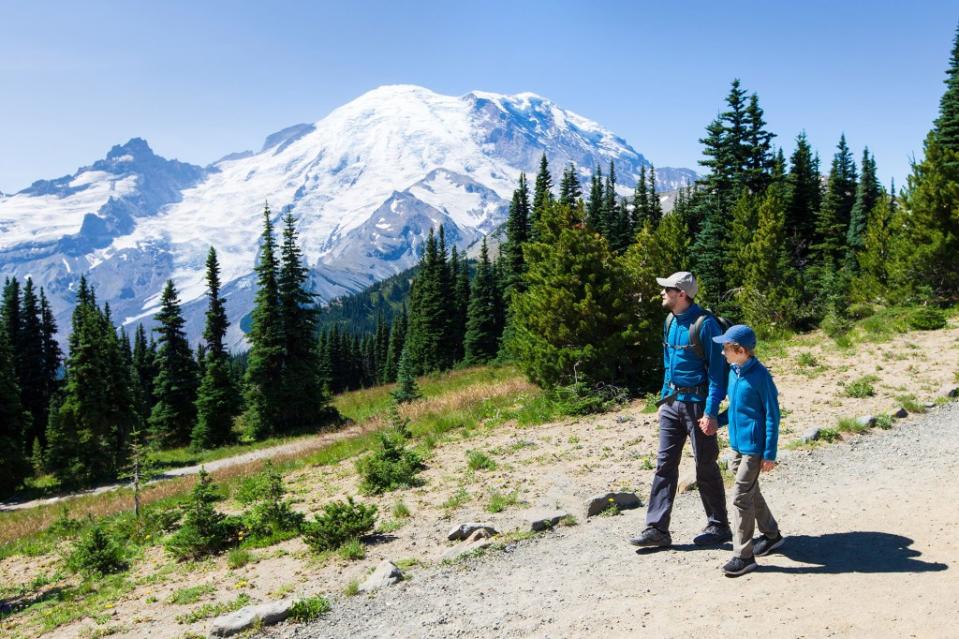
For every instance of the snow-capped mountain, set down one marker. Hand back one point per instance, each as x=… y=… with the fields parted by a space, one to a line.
x=365 y=184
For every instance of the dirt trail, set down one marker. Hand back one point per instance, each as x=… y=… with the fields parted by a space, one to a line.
x=872 y=551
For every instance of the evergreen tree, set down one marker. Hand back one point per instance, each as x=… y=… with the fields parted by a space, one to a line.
x=867 y=194
x=727 y=145
x=302 y=400
x=946 y=129
x=517 y=235
x=768 y=294
x=872 y=282
x=641 y=208
x=174 y=415
x=709 y=259
x=803 y=197
x=832 y=223
x=406 y=388
x=542 y=193
x=461 y=294
x=88 y=426
x=35 y=388
x=428 y=320
x=595 y=215
x=569 y=189
x=397 y=341
x=14 y=422
x=759 y=160
x=654 y=205
x=570 y=322
x=217 y=399
x=12 y=321
x=264 y=372
x=144 y=365
x=481 y=341
x=745 y=217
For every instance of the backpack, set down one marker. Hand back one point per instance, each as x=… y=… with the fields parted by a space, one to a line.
x=695 y=342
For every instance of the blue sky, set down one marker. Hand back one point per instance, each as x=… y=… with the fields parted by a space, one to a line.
x=201 y=79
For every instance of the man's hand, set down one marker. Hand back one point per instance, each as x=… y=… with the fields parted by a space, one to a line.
x=709 y=425
x=767 y=465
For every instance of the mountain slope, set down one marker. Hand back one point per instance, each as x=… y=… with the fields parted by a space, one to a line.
x=365 y=183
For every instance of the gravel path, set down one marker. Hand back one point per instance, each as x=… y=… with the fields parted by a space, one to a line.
x=871 y=552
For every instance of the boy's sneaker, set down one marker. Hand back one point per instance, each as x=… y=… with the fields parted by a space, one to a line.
x=652 y=537
x=713 y=535
x=736 y=566
x=764 y=545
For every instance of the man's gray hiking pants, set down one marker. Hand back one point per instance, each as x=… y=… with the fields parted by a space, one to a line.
x=677 y=421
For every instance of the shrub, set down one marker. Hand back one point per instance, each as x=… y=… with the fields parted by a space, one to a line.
x=63 y=526
x=352 y=550
x=860 y=310
x=97 y=553
x=238 y=557
x=309 y=609
x=582 y=399
x=205 y=531
x=927 y=318
x=829 y=434
x=861 y=387
x=884 y=421
x=499 y=502
x=478 y=460
x=339 y=522
x=190 y=595
x=835 y=326
x=272 y=519
x=392 y=465
x=807 y=359
x=400 y=510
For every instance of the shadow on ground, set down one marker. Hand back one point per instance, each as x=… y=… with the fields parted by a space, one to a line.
x=857 y=551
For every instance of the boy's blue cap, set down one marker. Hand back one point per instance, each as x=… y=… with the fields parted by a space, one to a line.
x=739 y=334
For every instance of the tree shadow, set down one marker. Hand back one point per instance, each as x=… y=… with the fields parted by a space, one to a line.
x=856 y=551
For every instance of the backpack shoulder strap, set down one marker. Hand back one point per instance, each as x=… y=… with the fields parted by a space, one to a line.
x=694 y=336
x=668 y=325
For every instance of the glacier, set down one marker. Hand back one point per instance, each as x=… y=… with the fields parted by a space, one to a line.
x=365 y=184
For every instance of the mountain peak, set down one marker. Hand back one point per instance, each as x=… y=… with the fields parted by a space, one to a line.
x=134 y=149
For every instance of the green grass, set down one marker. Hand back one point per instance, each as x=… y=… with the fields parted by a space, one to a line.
x=352 y=589
x=309 y=609
x=498 y=502
x=352 y=550
x=807 y=360
x=829 y=434
x=884 y=421
x=455 y=500
x=862 y=387
x=190 y=595
x=238 y=557
x=206 y=611
x=910 y=403
x=478 y=460
x=400 y=510
x=850 y=425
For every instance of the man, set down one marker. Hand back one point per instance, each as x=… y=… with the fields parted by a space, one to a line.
x=693 y=387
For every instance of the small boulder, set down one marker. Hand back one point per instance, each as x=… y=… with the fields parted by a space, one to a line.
x=952 y=392
x=462 y=531
x=263 y=614
x=623 y=419
x=902 y=413
x=811 y=435
x=464 y=548
x=622 y=500
x=546 y=521
x=687 y=483
x=386 y=574
x=866 y=420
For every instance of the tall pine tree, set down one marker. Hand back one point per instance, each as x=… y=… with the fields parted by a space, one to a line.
x=174 y=414
x=481 y=342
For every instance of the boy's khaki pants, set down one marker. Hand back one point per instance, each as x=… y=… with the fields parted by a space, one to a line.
x=749 y=507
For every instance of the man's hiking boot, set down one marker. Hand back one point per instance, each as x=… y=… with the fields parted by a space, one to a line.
x=713 y=535
x=652 y=538
x=764 y=545
x=736 y=566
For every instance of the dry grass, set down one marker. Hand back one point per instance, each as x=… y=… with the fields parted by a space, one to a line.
x=21 y=523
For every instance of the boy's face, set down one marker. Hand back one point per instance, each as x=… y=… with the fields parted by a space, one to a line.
x=735 y=354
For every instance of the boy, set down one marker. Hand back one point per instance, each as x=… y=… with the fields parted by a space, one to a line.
x=753 y=435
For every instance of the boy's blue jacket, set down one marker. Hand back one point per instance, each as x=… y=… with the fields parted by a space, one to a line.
x=683 y=367
x=753 y=410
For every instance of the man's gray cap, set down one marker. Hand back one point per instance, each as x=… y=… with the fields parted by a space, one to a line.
x=683 y=280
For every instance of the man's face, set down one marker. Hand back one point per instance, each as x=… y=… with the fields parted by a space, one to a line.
x=671 y=297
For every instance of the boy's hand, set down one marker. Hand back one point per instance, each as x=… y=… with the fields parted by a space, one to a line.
x=768 y=465
x=709 y=425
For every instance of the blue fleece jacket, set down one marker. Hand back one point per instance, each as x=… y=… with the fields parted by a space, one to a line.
x=685 y=369
x=753 y=410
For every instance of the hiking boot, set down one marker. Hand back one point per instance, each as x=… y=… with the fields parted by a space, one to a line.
x=736 y=566
x=764 y=545
x=713 y=535
x=652 y=538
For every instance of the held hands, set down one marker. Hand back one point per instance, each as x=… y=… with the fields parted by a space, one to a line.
x=767 y=466
x=709 y=425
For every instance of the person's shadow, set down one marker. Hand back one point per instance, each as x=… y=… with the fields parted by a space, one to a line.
x=857 y=551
